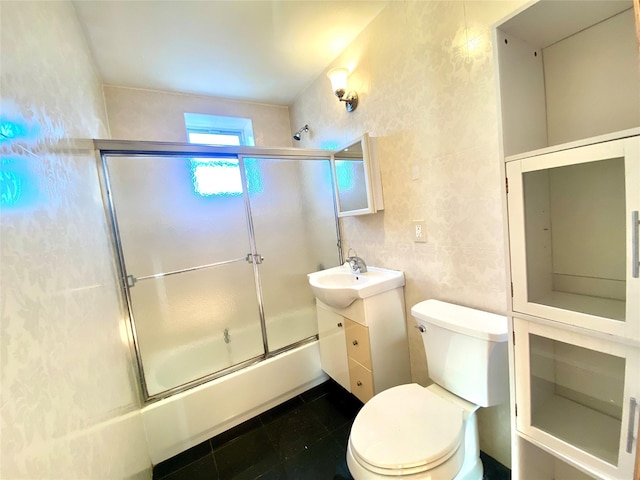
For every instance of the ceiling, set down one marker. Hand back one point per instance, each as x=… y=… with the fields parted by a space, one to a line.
x=263 y=51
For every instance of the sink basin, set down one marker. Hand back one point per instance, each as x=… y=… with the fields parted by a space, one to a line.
x=338 y=287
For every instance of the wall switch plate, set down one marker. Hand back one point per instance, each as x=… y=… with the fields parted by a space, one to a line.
x=419 y=231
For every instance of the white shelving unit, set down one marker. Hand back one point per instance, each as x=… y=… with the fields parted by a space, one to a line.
x=569 y=93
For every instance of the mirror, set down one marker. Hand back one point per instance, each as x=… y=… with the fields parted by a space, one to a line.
x=356 y=179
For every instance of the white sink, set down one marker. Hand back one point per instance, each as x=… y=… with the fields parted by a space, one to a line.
x=338 y=287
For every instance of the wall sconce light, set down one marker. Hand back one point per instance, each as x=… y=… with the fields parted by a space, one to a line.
x=338 y=77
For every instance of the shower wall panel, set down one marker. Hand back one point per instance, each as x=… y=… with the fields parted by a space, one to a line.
x=136 y=114
x=70 y=406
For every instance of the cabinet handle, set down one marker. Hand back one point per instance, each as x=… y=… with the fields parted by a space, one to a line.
x=340 y=324
x=359 y=383
x=355 y=342
x=633 y=404
x=635 y=247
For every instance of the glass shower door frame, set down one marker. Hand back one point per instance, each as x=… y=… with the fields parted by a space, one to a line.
x=264 y=162
x=106 y=148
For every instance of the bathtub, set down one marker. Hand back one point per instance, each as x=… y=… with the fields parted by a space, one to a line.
x=208 y=355
x=186 y=419
x=169 y=368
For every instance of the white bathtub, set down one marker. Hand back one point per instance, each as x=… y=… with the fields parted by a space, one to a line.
x=172 y=368
x=188 y=418
x=169 y=368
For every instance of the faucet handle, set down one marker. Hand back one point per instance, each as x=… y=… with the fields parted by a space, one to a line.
x=349 y=253
x=353 y=263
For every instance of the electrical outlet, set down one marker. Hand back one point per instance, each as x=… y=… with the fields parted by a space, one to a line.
x=419 y=231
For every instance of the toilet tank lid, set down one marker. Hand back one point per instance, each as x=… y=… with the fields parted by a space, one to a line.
x=468 y=321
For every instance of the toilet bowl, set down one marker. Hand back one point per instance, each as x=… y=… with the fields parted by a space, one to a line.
x=414 y=432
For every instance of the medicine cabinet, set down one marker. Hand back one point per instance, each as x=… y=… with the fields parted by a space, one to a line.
x=357 y=181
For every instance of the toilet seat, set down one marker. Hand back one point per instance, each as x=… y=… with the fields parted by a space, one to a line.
x=407 y=430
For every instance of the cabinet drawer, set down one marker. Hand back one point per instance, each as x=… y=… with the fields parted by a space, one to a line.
x=358 y=343
x=361 y=381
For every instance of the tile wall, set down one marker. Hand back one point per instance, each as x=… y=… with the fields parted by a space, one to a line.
x=69 y=402
x=424 y=72
x=136 y=114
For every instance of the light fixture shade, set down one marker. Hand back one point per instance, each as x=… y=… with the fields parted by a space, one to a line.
x=338 y=77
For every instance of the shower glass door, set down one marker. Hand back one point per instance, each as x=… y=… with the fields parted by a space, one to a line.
x=294 y=225
x=184 y=239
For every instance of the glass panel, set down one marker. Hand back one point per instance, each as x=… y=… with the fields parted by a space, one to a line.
x=196 y=323
x=575 y=237
x=351 y=180
x=173 y=214
x=295 y=230
x=577 y=395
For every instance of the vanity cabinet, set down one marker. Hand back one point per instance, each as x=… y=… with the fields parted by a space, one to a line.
x=364 y=346
x=569 y=96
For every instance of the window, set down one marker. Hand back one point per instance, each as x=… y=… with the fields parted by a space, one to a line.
x=213 y=137
x=218 y=130
x=214 y=176
x=217 y=176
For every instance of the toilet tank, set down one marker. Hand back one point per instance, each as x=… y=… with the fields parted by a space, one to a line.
x=466 y=350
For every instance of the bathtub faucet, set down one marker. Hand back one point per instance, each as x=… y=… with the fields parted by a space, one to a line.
x=356 y=264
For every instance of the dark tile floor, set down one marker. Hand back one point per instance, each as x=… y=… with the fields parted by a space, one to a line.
x=304 y=438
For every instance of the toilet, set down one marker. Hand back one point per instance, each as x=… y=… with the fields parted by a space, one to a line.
x=416 y=432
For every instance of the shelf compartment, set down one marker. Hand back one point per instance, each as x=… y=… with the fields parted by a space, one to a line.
x=601 y=307
x=585 y=428
x=575 y=78
x=535 y=461
x=575 y=395
x=570 y=235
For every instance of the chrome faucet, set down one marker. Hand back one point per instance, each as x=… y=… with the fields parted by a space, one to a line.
x=356 y=264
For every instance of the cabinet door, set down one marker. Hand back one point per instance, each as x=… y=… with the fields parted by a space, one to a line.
x=333 y=346
x=577 y=395
x=573 y=239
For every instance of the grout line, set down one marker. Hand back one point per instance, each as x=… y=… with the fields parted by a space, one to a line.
x=215 y=463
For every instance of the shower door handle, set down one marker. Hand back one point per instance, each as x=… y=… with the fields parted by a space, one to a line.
x=633 y=406
x=257 y=258
x=132 y=280
x=635 y=244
